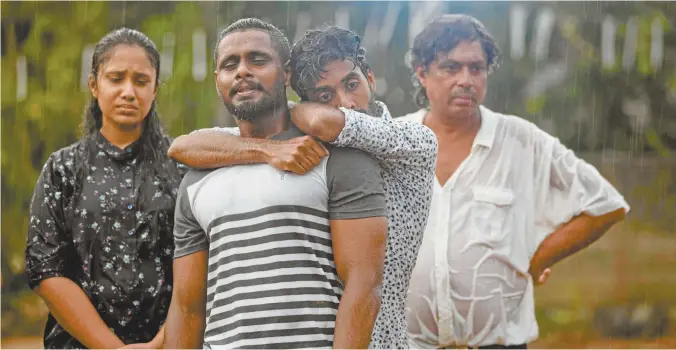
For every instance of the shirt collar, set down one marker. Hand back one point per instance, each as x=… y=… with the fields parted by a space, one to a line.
x=115 y=152
x=382 y=111
x=289 y=133
x=486 y=134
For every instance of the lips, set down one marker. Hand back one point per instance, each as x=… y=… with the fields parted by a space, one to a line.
x=126 y=109
x=244 y=89
x=246 y=92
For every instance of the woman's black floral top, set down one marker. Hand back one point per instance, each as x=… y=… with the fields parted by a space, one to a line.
x=113 y=237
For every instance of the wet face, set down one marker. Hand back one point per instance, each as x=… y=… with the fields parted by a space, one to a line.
x=250 y=77
x=456 y=81
x=343 y=84
x=125 y=87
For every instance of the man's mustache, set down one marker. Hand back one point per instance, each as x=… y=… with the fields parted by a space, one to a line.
x=471 y=94
x=250 y=85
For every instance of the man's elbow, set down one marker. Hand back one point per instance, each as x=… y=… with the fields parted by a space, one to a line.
x=177 y=148
x=604 y=222
x=375 y=296
x=369 y=283
x=615 y=216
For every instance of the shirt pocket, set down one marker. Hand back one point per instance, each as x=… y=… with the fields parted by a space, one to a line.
x=490 y=211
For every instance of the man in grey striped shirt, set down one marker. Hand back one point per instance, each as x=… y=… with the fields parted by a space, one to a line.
x=266 y=258
x=329 y=68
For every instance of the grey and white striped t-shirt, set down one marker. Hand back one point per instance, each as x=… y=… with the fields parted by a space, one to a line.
x=272 y=281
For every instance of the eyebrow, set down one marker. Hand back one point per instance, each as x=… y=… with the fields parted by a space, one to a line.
x=321 y=89
x=121 y=72
x=349 y=76
x=449 y=61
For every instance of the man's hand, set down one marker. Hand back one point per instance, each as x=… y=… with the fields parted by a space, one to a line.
x=156 y=343
x=298 y=155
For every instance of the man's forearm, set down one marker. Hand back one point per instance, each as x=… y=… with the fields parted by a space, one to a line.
x=405 y=149
x=215 y=149
x=184 y=328
x=75 y=313
x=572 y=237
x=357 y=312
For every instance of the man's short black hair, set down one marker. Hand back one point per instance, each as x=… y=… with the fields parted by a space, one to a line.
x=316 y=49
x=279 y=40
x=442 y=35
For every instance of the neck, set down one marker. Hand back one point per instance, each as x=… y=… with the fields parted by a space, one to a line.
x=119 y=136
x=264 y=126
x=443 y=123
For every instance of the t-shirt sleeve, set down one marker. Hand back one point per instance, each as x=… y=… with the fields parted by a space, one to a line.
x=356 y=186
x=234 y=131
x=189 y=237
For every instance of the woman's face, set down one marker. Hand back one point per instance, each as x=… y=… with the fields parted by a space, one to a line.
x=125 y=87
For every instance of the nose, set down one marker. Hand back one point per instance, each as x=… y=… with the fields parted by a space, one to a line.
x=243 y=70
x=344 y=100
x=465 y=78
x=128 y=93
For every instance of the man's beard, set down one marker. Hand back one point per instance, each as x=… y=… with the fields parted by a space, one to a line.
x=252 y=110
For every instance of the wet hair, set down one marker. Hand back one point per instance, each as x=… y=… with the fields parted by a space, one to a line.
x=154 y=141
x=442 y=35
x=316 y=49
x=279 y=40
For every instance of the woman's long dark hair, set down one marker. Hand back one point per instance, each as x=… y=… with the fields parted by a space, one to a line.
x=154 y=161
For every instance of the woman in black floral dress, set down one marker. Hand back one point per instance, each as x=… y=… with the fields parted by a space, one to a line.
x=100 y=238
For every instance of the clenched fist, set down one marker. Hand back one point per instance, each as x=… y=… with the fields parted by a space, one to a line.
x=298 y=155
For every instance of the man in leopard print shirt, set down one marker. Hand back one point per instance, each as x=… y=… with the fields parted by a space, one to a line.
x=329 y=68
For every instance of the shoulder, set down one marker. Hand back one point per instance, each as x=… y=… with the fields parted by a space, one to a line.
x=217 y=129
x=416 y=116
x=64 y=159
x=347 y=154
x=344 y=162
x=414 y=121
x=193 y=176
x=515 y=127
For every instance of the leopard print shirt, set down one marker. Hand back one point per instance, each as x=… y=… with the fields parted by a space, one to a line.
x=407 y=153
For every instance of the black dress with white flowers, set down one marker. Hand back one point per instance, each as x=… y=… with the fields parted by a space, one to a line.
x=113 y=237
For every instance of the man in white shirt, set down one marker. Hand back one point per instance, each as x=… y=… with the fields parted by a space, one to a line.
x=509 y=201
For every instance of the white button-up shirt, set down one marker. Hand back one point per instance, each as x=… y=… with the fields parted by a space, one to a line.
x=470 y=285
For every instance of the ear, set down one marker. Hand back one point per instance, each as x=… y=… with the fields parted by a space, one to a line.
x=287 y=73
x=371 y=79
x=421 y=73
x=93 y=87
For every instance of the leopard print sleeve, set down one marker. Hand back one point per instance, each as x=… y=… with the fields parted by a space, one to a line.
x=406 y=149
